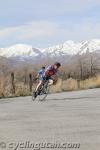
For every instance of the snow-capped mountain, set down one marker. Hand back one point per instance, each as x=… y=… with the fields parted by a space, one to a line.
x=19 y=50
x=69 y=48
x=73 y=48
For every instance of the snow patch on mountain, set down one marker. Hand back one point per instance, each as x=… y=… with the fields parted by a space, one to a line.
x=91 y=46
x=67 y=48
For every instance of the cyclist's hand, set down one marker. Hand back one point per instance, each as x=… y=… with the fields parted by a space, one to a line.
x=46 y=78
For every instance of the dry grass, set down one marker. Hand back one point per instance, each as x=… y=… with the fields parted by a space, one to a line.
x=90 y=83
x=66 y=85
x=22 y=89
x=2 y=87
x=56 y=87
x=72 y=84
x=69 y=85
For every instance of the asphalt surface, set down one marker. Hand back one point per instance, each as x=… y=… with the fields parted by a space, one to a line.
x=67 y=119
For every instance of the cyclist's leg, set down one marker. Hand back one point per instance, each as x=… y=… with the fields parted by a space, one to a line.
x=50 y=82
x=39 y=85
x=37 y=88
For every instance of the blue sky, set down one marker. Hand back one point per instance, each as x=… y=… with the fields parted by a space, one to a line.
x=44 y=23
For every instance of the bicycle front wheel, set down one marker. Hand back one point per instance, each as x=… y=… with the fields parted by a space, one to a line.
x=43 y=94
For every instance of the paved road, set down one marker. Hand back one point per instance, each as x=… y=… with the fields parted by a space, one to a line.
x=70 y=117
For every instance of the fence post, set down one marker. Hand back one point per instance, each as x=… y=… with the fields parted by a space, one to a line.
x=12 y=83
x=78 y=83
x=30 y=82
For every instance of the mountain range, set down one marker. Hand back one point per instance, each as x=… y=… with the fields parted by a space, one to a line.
x=67 y=49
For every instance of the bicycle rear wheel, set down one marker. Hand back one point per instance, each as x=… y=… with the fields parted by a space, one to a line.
x=33 y=96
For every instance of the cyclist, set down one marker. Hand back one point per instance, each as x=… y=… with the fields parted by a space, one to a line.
x=47 y=73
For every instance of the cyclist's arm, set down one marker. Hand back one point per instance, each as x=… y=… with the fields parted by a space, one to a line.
x=38 y=74
x=47 y=70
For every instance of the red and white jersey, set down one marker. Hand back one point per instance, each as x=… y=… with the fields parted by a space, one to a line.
x=50 y=71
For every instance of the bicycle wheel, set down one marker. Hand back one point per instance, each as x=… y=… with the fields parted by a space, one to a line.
x=44 y=92
x=38 y=94
x=33 y=96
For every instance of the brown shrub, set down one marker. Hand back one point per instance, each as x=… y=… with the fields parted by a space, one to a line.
x=69 y=85
x=2 y=87
x=93 y=82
